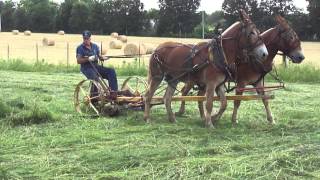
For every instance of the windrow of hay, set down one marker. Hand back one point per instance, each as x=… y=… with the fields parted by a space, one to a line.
x=61 y=32
x=123 y=38
x=27 y=33
x=48 y=42
x=135 y=49
x=115 y=44
x=15 y=32
x=114 y=35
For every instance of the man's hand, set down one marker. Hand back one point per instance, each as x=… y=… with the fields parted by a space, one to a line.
x=91 y=58
x=103 y=58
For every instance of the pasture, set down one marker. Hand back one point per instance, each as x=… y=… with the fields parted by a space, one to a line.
x=24 y=47
x=70 y=146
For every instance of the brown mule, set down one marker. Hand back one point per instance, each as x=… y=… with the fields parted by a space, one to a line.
x=240 y=38
x=280 y=38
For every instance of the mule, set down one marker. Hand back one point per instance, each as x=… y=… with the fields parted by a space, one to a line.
x=279 y=38
x=242 y=38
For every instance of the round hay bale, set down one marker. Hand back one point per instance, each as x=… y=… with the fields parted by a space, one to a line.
x=15 y=32
x=27 y=33
x=114 y=34
x=150 y=48
x=135 y=49
x=123 y=38
x=115 y=44
x=104 y=51
x=48 y=42
x=61 y=32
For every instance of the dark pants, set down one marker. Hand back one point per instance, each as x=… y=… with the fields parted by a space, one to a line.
x=106 y=73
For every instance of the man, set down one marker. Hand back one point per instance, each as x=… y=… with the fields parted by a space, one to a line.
x=88 y=54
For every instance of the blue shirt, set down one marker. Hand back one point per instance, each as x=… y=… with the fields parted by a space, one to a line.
x=83 y=51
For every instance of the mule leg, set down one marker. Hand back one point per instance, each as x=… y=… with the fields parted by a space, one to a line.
x=223 y=104
x=186 y=88
x=200 y=104
x=153 y=84
x=167 y=101
x=209 y=104
x=265 y=103
x=236 y=105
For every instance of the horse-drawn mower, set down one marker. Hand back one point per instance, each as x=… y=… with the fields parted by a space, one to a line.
x=95 y=97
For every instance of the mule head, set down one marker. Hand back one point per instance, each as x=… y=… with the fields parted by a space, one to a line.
x=249 y=38
x=289 y=42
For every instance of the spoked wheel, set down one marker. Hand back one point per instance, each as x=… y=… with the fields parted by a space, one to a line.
x=88 y=97
x=136 y=85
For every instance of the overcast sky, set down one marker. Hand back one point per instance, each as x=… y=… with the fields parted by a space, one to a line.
x=212 y=5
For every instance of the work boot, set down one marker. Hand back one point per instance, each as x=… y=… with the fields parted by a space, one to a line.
x=113 y=95
x=126 y=93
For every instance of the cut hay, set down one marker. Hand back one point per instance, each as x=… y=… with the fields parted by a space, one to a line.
x=27 y=33
x=61 y=32
x=114 y=35
x=15 y=32
x=48 y=42
x=123 y=38
x=115 y=44
x=135 y=49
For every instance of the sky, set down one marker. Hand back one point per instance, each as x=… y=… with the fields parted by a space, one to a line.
x=213 y=5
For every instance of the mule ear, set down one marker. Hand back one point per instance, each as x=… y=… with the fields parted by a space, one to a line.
x=244 y=16
x=281 y=21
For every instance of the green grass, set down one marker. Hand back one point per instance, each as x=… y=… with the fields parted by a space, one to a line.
x=77 y=147
x=125 y=69
x=305 y=73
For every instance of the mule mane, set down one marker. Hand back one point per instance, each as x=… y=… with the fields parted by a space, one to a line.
x=230 y=30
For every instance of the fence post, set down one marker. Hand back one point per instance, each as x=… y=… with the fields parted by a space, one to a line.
x=284 y=61
x=8 y=52
x=37 y=52
x=139 y=56
x=67 y=55
x=100 y=48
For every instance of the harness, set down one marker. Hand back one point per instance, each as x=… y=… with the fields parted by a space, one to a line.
x=189 y=69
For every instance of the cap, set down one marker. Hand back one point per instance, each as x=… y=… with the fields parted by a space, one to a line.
x=86 y=34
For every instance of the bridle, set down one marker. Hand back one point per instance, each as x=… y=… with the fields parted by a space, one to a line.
x=286 y=35
x=246 y=51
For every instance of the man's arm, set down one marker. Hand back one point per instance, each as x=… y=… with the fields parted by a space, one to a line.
x=82 y=59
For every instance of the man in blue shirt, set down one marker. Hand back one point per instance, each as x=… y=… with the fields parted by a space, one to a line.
x=88 y=51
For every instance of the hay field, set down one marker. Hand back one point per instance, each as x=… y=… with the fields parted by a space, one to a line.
x=21 y=46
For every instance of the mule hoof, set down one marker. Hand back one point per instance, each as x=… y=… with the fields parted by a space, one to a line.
x=147 y=120
x=235 y=123
x=271 y=121
x=173 y=120
x=209 y=126
x=178 y=113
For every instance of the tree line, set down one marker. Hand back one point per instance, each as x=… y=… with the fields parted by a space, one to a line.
x=175 y=18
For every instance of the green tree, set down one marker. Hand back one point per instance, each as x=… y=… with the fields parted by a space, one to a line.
x=42 y=14
x=79 y=17
x=96 y=16
x=63 y=15
x=153 y=17
x=261 y=12
x=7 y=10
x=314 y=14
x=124 y=16
x=178 y=16
x=21 y=18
